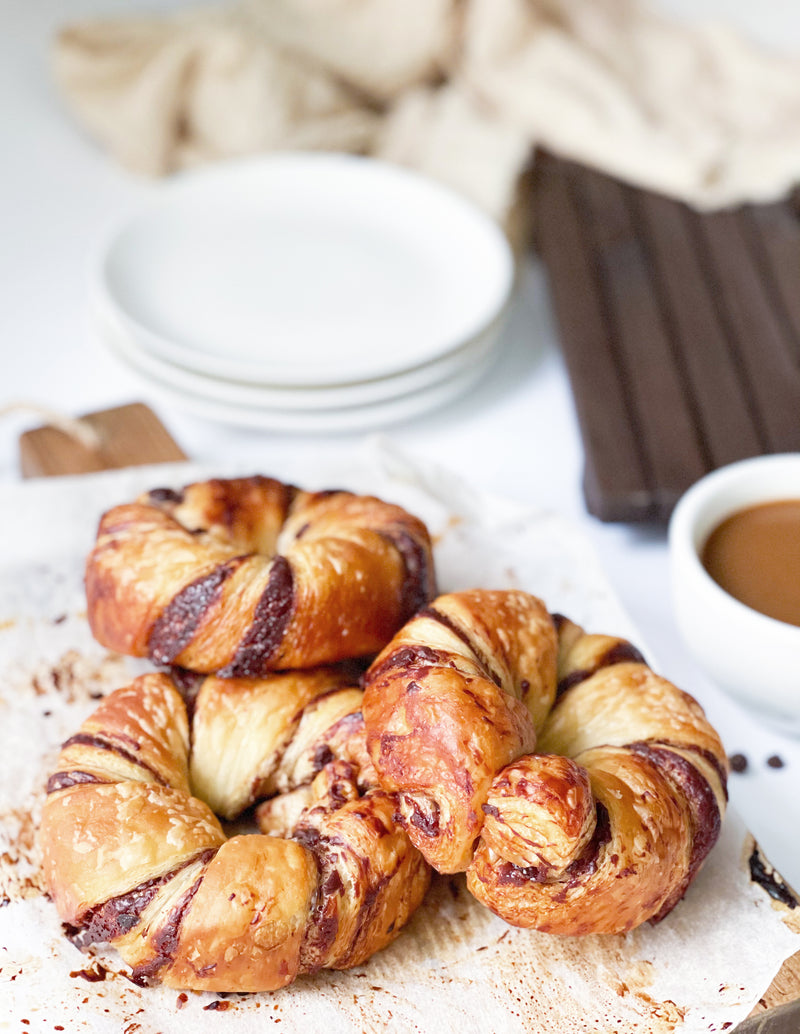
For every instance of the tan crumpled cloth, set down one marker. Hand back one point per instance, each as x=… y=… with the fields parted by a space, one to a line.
x=463 y=90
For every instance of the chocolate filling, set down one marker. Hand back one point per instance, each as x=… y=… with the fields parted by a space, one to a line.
x=584 y=865
x=101 y=743
x=587 y=862
x=766 y=877
x=110 y=919
x=423 y=816
x=483 y=660
x=616 y=654
x=323 y=924
x=691 y=783
x=323 y=756
x=330 y=746
x=558 y=621
x=706 y=818
x=270 y=620
x=370 y=817
x=168 y=937
x=63 y=780
x=707 y=755
x=323 y=928
x=711 y=758
x=165 y=495
x=175 y=628
x=95 y=975
x=369 y=911
x=232 y=500
x=408 y=657
x=188 y=683
x=418 y=585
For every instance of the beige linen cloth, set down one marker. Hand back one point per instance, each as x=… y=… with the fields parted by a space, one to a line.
x=463 y=90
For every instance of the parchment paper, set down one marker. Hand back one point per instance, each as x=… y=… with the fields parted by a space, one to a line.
x=455 y=967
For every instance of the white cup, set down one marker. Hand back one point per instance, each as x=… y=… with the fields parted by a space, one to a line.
x=754 y=658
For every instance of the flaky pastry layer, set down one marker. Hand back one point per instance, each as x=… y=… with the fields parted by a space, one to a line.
x=134 y=857
x=249 y=575
x=579 y=790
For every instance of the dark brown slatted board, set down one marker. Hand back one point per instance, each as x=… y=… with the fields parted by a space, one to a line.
x=680 y=331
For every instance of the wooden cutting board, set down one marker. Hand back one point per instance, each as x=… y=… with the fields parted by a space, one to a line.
x=680 y=331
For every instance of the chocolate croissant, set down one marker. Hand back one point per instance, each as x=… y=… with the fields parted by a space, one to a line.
x=580 y=791
x=449 y=702
x=250 y=575
x=134 y=857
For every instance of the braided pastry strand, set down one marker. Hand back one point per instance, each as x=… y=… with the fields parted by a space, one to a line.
x=249 y=575
x=604 y=826
x=134 y=859
x=453 y=698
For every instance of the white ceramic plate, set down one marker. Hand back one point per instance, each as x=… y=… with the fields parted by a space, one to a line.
x=232 y=392
x=340 y=419
x=306 y=270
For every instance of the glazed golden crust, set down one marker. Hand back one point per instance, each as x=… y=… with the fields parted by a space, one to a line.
x=247 y=918
x=539 y=811
x=132 y=858
x=601 y=829
x=371 y=877
x=250 y=575
x=626 y=873
x=449 y=702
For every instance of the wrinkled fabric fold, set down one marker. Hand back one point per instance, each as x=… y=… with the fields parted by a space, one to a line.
x=463 y=90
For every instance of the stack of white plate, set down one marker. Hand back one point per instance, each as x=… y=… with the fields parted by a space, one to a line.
x=306 y=292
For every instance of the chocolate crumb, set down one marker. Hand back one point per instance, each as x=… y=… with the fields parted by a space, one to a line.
x=775 y=761
x=738 y=763
x=183 y=998
x=94 y=974
x=765 y=876
x=217 y=1006
x=166 y=495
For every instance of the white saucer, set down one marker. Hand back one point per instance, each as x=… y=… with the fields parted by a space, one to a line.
x=337 y=419
x=232 y=392
x=306 y=270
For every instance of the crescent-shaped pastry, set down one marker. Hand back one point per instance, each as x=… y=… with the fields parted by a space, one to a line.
x=579 y=790
x=250 y=575
x=134 y=857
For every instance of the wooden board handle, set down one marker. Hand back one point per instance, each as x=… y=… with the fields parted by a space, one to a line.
x=125 y=436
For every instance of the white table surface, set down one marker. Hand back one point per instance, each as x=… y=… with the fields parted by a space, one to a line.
x=515 y=435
